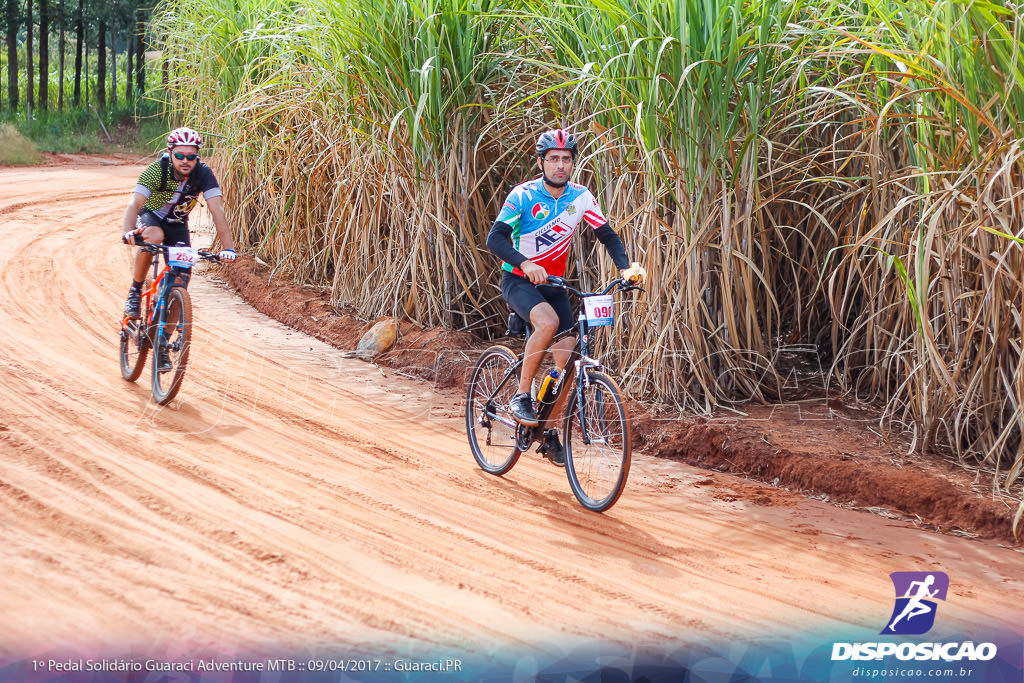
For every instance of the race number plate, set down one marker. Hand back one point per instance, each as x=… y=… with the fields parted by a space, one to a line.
x=182 y=257
x=599 y=309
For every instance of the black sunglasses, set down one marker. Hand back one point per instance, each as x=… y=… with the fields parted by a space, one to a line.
x=187 y=157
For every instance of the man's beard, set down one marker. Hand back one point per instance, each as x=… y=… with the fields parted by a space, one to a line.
x=552 y=183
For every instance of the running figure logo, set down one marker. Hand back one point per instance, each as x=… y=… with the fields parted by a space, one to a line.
x=916 y=596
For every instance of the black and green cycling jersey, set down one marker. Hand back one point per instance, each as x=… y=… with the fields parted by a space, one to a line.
x=171 y=199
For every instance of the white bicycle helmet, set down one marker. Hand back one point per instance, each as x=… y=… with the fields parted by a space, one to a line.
x=183 y=137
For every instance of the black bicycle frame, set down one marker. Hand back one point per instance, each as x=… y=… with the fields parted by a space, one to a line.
x=579 y=358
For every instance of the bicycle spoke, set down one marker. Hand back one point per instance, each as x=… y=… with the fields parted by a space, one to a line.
x=598 y=444
x=489 y=426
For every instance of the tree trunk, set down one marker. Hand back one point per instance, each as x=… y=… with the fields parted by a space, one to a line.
x=76 y=98
x=44 y=54
x=113 y=70
x=63 y=46
x=101 y=66
x=129 y=52
x=85 y=73
x=140 y=51
x=12 y=54
x=28 y=56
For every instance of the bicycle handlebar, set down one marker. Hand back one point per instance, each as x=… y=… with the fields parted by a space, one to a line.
x=154 y=248
x=622 y=284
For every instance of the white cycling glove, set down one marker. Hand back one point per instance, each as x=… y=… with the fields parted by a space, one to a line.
x=130 y=236
x=226 y=255
x=635 y=274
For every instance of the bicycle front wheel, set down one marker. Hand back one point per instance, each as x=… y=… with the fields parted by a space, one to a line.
x=172 y=346
x=133 y=348
x=489 y=424
x=597 y=443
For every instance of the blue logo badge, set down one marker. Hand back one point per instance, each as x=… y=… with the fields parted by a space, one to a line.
x=917 y=594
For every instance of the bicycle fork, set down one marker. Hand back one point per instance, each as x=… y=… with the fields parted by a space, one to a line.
x=160 y=316
x=582 y=382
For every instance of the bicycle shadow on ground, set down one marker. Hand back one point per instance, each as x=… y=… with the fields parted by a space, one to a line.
x=182 y=416
x=626 y=541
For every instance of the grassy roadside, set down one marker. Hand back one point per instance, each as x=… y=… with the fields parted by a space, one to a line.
x=80 y=131
x=16 y=149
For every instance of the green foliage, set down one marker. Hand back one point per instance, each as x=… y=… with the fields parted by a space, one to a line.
x=87 y=131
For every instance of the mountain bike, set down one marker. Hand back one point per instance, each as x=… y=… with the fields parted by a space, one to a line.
x=596 y=428
x=166 y=322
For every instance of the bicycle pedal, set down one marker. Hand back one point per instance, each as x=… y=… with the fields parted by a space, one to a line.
x=524 y=438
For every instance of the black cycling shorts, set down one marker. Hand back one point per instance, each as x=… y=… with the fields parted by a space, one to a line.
x=522 y=295
x=175 y=232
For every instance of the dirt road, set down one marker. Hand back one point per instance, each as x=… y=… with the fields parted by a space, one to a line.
x=291 y=499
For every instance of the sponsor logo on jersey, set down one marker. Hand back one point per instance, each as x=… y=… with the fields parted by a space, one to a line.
x=552 y=235
x=539 y=211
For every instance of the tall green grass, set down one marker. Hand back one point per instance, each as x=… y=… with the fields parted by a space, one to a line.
x=797 y=177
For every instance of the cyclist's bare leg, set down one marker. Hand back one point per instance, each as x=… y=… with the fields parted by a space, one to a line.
x=561 y=351
x=144 y=260
x=544 y=320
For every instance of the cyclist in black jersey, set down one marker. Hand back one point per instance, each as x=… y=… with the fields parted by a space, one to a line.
x=158 y=210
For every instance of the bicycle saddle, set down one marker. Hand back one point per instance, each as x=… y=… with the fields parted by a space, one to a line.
x=516 y=325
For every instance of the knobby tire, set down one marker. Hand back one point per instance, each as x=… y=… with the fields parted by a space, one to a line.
x=177 y=337
x=134 y=348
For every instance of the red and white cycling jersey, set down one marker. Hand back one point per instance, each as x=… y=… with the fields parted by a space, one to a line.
x=543 y=227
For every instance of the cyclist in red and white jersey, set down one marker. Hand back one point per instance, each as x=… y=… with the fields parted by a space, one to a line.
x=533 y=235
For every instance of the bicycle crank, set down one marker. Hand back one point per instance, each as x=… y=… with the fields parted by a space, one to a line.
x=524 y=437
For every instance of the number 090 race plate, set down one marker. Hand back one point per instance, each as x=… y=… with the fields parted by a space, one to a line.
x=600 y=310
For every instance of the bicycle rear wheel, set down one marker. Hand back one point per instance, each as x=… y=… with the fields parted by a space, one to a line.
x=597 y=443
x=489 y=424
x=133 y=349
x=176 y=338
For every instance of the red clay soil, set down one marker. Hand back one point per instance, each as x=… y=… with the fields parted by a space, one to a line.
x=819 y=447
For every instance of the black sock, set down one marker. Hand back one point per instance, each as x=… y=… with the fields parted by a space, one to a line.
x=137 y=286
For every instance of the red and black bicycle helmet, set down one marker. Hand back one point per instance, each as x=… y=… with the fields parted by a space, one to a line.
x=556 y=139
